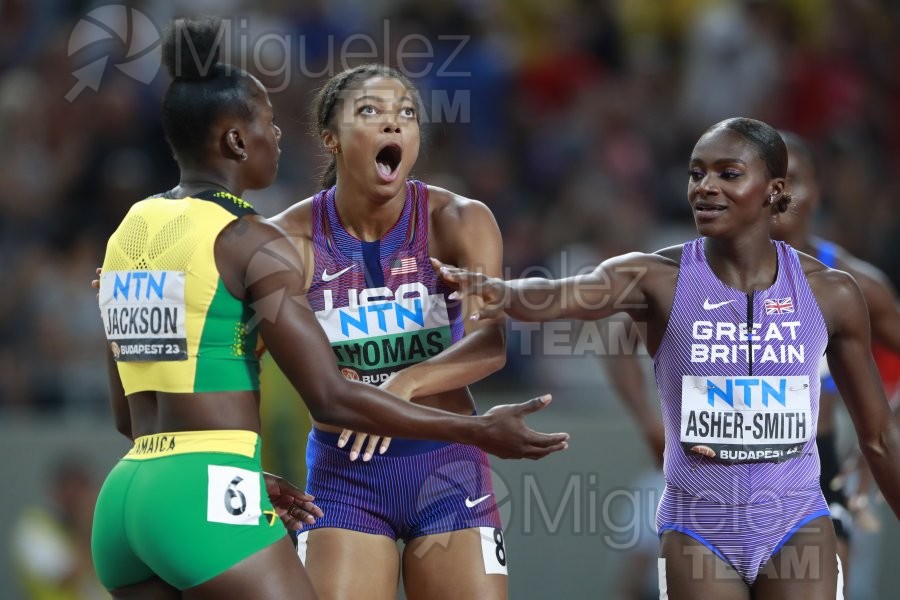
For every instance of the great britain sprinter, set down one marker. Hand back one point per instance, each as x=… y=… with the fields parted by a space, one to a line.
x=794 y=226
x=737 y=324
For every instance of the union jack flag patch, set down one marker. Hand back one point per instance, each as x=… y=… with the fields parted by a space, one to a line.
x=777 y=307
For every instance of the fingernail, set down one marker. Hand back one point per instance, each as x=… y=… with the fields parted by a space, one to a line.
x=453 y=296
x=342 y=443
x=382 y=450
x=354 y=455
x=367 y=457
x=565 y=445
x=474 y=317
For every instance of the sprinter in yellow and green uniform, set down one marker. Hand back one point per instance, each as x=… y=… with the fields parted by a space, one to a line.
x=173 y=327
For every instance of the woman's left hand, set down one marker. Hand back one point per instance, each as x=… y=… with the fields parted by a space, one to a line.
x=293 y=506
x=360 y=440
x=393 y=385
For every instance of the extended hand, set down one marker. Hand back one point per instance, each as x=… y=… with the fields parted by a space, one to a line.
x=506 y=435
x=490 y=292
x=292 y=505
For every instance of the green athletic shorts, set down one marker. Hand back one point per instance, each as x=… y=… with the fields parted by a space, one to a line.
x=183 y=506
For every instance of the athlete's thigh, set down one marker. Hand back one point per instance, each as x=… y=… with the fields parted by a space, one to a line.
x=350 y=564
x=152 y=589
x=273 y=573
x=468 y=563
x=805 y=567
x=689 y=570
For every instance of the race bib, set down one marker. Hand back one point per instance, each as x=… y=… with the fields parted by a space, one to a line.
x=144 y=315
x=745 y=419
x=233 y=496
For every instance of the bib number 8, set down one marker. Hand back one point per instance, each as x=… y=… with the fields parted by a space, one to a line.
x=500 y=551
x=493 y=550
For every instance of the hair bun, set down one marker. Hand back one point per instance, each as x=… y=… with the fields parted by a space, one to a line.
x=191 y=48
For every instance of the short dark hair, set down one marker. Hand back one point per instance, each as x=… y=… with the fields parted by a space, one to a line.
x=769 y=145
x=203 y=88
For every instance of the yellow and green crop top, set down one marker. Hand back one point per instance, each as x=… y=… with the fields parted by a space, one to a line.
x=170 y=323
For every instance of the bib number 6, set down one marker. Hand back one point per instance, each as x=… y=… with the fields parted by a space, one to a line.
x=235 y=500
x=233 y=496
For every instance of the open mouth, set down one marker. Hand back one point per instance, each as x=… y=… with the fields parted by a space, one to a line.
x=388 y=159
x=705 y=207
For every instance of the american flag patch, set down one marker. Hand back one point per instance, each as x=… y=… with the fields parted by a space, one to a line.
x=776 y=307
x=402 y=266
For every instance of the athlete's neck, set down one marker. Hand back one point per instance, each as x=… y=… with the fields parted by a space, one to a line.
x=195 y=180
x=367 y=218
x=744 y=264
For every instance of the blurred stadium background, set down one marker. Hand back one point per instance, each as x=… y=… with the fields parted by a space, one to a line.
x=573 y=120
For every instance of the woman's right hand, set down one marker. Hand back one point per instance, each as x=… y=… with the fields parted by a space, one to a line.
x=507 y=436
x=489 y=292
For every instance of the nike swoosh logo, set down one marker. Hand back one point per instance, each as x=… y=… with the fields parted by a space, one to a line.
x=471 y=503
x=706 y=303
x=332 y=276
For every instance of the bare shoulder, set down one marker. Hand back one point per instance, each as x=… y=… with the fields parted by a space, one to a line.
x=662 y=264
x=451 y=209
x=670 y=254
x=821 y=277
x=296 y=219
x=250 y=229
x=837 y=292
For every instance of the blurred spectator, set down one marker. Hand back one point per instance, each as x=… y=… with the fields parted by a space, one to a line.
x=51 y=542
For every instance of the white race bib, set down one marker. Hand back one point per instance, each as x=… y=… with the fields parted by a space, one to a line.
x=745 y=419
x=144 y=314
x=233 y=496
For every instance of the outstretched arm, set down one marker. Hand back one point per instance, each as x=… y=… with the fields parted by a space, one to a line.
x=616 y=285
x=853 y=368
x=273 y=278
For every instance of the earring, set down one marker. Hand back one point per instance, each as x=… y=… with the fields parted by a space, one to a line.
x=243 y=156
x=771 y=198
x=335 y=151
